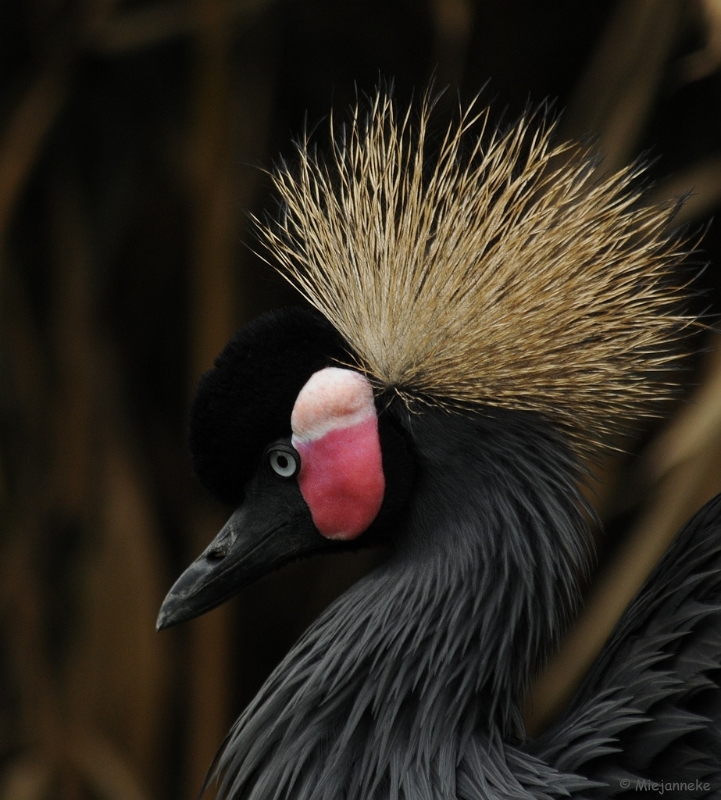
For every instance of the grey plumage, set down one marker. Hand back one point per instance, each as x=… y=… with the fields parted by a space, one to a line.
x=410 y=683
x=409 y=686
x=649 y=710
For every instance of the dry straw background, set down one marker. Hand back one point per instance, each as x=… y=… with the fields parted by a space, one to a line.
x=131 y=132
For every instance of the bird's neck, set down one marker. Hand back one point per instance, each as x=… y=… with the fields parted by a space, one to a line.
x=435 y=648
x=494 y=544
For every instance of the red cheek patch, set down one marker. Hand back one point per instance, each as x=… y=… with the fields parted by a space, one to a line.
x=335 y=430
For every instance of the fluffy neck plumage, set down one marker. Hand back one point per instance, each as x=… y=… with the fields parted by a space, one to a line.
x=403 y=683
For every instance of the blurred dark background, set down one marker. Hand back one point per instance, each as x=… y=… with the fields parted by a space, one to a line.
x=133 y=139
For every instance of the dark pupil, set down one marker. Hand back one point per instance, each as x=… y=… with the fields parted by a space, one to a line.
x=282 y=461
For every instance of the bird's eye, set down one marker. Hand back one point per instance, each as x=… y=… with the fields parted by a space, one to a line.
x=283 y=463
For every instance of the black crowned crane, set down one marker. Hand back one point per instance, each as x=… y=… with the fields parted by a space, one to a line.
x=484 y=317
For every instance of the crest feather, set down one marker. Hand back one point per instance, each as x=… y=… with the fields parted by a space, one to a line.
x=501 y=271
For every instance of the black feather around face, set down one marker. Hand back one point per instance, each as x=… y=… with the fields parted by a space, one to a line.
x=245 y=401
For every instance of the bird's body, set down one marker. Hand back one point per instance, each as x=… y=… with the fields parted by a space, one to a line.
x=426 y=659
x=410 y=685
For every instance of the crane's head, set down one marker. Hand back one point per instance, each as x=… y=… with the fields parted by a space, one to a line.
x=477 y=271
x=283 y=429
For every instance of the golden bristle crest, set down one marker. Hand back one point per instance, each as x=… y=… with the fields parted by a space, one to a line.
x=502 y=271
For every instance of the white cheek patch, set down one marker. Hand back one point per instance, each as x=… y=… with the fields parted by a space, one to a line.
x=335 y=430
x=332 y=398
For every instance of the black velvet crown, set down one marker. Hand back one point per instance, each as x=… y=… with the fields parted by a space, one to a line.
x=245 y=401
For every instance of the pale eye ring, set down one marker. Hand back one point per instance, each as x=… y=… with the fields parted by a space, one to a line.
x=283 y=463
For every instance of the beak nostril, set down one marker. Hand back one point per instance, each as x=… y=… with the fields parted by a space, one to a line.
x=216 y=554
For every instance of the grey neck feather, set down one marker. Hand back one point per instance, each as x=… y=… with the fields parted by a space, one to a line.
x=410 y=682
